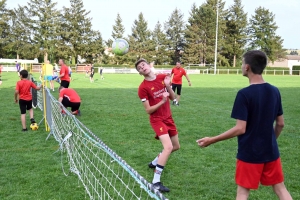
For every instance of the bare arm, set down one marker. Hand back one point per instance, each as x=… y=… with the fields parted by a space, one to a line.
x=150 y=109
x=279 y=125
x=238 y=129
x=60 y=99
x=188 y=79
x=16 y=95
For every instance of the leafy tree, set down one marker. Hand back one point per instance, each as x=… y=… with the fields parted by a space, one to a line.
x=161 y=45
x=174 y=28
x=19 y=43
x=262 y=33
x=118 y=31
x=141 y=45
x=235 y=33
x=118 y=28
x=192 y=52
x=42 y=17
x=76 y=32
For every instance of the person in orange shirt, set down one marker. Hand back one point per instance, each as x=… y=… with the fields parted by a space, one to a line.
x=69 y=98
x=23 y=94
x=177 y=73
x=63 y=74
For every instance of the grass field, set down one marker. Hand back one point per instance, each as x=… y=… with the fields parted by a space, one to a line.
x=29 y=169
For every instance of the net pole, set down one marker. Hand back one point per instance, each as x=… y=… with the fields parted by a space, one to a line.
x=44 y=84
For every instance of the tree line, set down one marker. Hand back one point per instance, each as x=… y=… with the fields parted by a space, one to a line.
x=40 y=30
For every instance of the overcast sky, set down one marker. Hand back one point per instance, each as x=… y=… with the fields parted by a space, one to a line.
x=104 y=13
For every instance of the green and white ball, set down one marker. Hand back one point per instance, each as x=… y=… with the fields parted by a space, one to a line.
x=120 y=47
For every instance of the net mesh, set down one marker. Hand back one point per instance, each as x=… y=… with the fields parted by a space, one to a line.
x=103 y=173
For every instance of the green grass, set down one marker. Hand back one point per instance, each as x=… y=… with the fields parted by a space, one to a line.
x=29 y=169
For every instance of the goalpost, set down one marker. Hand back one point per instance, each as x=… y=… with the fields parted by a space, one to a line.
x=103 y=173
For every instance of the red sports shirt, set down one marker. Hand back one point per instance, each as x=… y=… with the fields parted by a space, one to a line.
x=178 y=73
x=64 y=69
x=152 y=91
x=70 y=94
x=24 y=86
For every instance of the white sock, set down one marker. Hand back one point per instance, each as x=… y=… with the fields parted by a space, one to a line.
x=154 y=162
x=157 y=173
x=174 y=100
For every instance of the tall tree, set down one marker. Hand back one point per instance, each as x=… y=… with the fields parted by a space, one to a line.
x=192 y=51
x=141 y=45
x=200 y=33
x=118 y=31
x=4 y=27
x=19 y=41
x=262 y=33
x=174 y=28
x=161 y=45
x=76 y=31
x=118 y=28
x=42 y=22
x=236 y=32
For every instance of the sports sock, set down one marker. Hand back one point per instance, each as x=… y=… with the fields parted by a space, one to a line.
x=157 y=173
x=154 y=162
x=32 y=120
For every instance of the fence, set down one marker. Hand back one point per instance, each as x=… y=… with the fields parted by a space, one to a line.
x=239 y=71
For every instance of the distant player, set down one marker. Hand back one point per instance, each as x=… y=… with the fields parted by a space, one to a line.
x=92 y=74
x=24 y=96
x=86 y=71
x=69 y=98
x=18 y=67
x=177 y=73
x=155 y=92
x=63 y=74
x=55 y=73
x=70 y=72
x=101 y=72
x=255 y=109
x=48 y=74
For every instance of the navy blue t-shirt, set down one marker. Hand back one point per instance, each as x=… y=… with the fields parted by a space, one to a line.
x=258 y=105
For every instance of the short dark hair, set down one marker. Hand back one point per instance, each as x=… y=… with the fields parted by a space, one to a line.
x=24 y=73
x=257 y=60
x=139 y=61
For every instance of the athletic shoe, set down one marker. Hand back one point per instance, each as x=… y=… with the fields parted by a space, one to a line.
x=24 y=130
x=177 y=104
x=174 y=102
x=78 y=112
x=150 y=165
x=159 y=186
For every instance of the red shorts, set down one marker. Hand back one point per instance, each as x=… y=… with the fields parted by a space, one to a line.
x=249 y=175
x=163 y=127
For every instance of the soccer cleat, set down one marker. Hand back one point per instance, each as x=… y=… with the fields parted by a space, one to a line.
x=24 y=130
x=177 y=104
x=150 y=165
x=159 y=186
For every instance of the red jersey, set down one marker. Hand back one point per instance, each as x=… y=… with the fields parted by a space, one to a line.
x=153 y=92
x=70 y=94
x=24 y=86
x=64 y=69
x=177 y=75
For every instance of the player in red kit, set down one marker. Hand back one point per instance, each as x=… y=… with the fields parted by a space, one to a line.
x=155 y=92
x=177 y=73
x=69 y=98
x=63 y=74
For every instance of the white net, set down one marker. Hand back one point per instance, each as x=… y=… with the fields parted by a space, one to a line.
x=103 y=173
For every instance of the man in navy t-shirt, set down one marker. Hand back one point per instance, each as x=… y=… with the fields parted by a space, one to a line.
x=255 y=109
